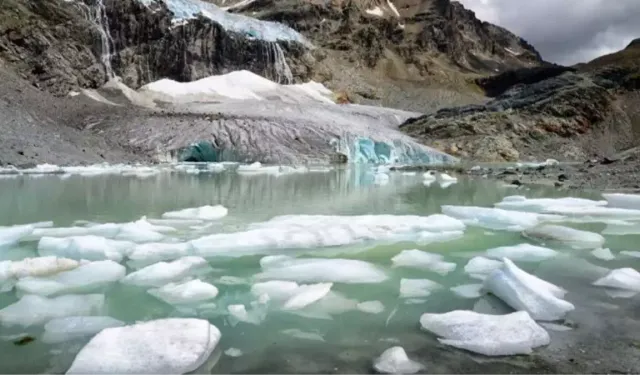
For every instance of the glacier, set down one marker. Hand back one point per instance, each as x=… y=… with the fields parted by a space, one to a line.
x=268 y=31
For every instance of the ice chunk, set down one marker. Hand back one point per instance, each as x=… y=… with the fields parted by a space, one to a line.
x=468 y=290
x=604 y=254
x=332 y=304
x=73 y=327
x=425 y=238
x=306 y=295
x=276 y=289
x=168 y=346
x=480 y=267
x=621 y=278
x=619 y=200
x=162 y=273
x=231 y=280
x=188 y=292
x=523 y=291
x=490 y=335
x=84 y=247
x=495 y=218
x=11 y=271
x=381 y=179
x=523 y=252
x=335 y=270
x=593 y=212
x=141 y=231
x=423 y=260
x=299 y=334
x=412 y=288
x=240 y=313
x=233 y=352
x=199 y=213
x=84 y=278
x=395 y=361
x=33 y=310
x=556 y=327
x=633 y=254
x=146 y=254
x=311 y=231
x=521 y=203
x=12 y=235
x=621 y=228
x=578 y=239
x=371 y=307
x=443 y=177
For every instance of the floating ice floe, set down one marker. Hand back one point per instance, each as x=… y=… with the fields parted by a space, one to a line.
x=33 y=310
x=233 y=352
x=159 y=274
x=317 y=270
x=480 y=267
x=633 y=254
x=168 y=346
x=423 y=260
x=312 y=231
x=537 y=205
x=199 y=213
x=496 y=218
x=621 y=278
x=291 y=295
x=592 y=212
x=12 y=271
x=622 y=228
x=523 y=252
x=90 y=247
x=371 y=307
x=578 y=239
x=395 y=361
x=490 y=335
x=12 y=235
x=299 y=334
x=86 y=277
x=239 y=313
x=149 y=253
x=619 y=200
x=381 y=179
x=604 y=254
x=75 y=327
x=526 y=292
x=468 y=290
x=415 y=288
x=189 y=292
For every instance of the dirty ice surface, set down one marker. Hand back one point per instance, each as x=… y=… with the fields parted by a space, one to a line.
x=243 y=117
x=259 y=268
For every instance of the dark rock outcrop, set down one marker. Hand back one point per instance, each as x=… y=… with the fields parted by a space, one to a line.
x=53 y=44
x=498 y=84
x=549 y=111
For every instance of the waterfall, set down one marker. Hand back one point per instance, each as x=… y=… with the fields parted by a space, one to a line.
x=281 y=73
x=96 y=14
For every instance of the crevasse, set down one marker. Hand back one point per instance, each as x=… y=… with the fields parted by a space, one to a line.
x=253 y=28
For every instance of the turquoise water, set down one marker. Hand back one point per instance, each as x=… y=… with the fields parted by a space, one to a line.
x=349 y=339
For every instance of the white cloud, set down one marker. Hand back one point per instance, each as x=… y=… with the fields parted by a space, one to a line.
x=565 y=31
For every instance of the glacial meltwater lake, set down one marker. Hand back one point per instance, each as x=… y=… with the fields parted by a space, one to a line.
x=310 y=265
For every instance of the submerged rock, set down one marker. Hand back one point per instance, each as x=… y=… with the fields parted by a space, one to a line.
x=174 y=346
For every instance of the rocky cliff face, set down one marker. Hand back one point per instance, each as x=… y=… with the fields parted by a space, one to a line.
x=550 y=111
x=57 y=46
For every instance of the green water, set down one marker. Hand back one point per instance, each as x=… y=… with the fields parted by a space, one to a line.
x=351 y=339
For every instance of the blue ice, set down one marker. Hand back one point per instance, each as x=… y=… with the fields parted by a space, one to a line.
x=366 y=150
x=250 y=27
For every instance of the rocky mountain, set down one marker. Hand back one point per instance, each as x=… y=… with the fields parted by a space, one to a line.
x=577 y=113
x=378 y=52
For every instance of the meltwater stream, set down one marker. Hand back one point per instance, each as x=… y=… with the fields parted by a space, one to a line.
x=367 y=293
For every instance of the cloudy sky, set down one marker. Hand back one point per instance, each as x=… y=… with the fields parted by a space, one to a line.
x=565 y=31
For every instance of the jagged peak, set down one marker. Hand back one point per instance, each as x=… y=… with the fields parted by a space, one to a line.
x=634 y=44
